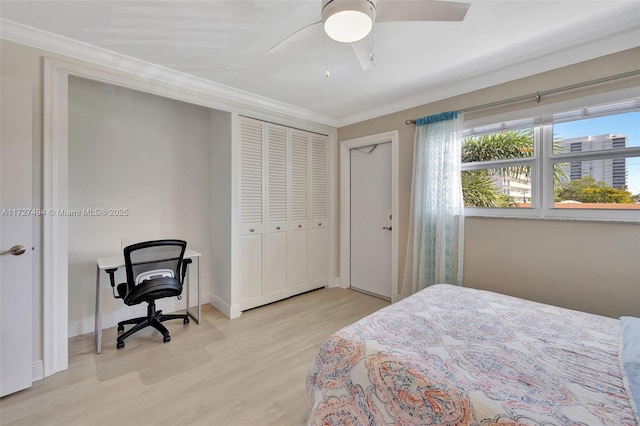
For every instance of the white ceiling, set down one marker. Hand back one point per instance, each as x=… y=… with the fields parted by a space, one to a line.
x=418 y=62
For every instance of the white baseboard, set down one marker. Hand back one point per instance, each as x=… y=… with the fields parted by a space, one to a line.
x=235 y=312
x=37 y=370
x=230 y=311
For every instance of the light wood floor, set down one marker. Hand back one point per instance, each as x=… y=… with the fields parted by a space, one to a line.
x=247 y=371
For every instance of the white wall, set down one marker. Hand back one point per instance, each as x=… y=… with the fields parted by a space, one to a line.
x=135 y=151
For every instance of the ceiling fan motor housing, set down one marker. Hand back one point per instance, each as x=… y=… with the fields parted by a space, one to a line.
x=334 y=7
x=329 y=7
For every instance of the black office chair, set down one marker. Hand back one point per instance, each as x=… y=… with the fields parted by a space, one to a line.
x=155 y=269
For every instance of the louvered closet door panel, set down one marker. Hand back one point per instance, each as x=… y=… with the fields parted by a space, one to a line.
x=299 y=171
x=250 y=282
x=251 y=173
x=297 y=260
x=318 y=257
x=276 y=267
x=276 y=174
x=250 y=289
x=318 y=230
x=276 y=248
x=297 y=236
x=318 y=177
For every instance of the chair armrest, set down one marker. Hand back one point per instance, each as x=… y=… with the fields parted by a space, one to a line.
x=112 y=279
x=185 y=264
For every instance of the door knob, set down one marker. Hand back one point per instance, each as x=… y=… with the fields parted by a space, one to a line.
x=386 y=228
x=15 y=250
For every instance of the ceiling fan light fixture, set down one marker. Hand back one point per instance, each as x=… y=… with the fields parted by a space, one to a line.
x=348 y=21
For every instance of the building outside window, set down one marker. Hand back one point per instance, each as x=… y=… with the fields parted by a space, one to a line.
x=581 y=160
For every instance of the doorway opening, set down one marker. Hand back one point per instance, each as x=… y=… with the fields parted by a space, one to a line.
x=371 y=216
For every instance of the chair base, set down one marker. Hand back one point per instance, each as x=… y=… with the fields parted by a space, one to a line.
x=154 y=319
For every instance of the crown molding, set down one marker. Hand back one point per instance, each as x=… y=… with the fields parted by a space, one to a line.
x=230 y=98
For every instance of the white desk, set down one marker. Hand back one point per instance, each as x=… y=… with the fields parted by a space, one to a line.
x=116 y=262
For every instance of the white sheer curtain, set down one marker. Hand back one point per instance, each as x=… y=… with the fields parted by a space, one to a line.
x=436 y=222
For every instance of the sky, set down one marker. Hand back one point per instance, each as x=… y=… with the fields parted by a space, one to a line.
x=627 y=124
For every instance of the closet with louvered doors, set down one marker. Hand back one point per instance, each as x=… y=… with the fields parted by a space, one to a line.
x=284 y=233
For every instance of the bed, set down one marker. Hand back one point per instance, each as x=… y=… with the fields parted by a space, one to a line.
x=450 y=355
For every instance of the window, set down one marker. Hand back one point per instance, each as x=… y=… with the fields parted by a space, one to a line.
x=577 y=164
x=497 y=169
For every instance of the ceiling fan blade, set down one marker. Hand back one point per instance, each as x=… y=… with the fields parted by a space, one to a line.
x=364 y=52
x=301 y=34
x=424 y=10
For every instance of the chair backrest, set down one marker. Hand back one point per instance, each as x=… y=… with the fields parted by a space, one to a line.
x=149 y=259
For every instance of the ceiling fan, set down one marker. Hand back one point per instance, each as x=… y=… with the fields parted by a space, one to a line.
x=351 y=21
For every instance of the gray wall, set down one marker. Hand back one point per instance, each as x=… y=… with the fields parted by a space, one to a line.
x=593 y=267
x=140 y=152
x=522 y=257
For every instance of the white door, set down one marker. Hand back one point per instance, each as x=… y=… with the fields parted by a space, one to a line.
x=297 y=234
x=251 y=242
x=371 y=209
x=276 y=232
x=15 y=230
x=318 y=229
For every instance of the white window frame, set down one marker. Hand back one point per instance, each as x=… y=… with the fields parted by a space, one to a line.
x=542 y=190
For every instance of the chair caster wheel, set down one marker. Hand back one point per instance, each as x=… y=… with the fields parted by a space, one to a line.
x=185 y=321
x=120 y=345
x=166 y=339
x=120 y=329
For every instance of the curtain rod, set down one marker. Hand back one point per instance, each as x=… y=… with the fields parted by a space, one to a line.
x=538 y=95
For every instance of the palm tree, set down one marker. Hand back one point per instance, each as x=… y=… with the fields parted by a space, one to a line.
x=479 y=186
x=479 y=190
x=498 y=146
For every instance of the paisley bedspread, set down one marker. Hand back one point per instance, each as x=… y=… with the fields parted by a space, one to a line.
x=450 y=355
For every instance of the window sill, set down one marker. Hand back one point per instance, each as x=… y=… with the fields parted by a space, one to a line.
x=553 y=218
